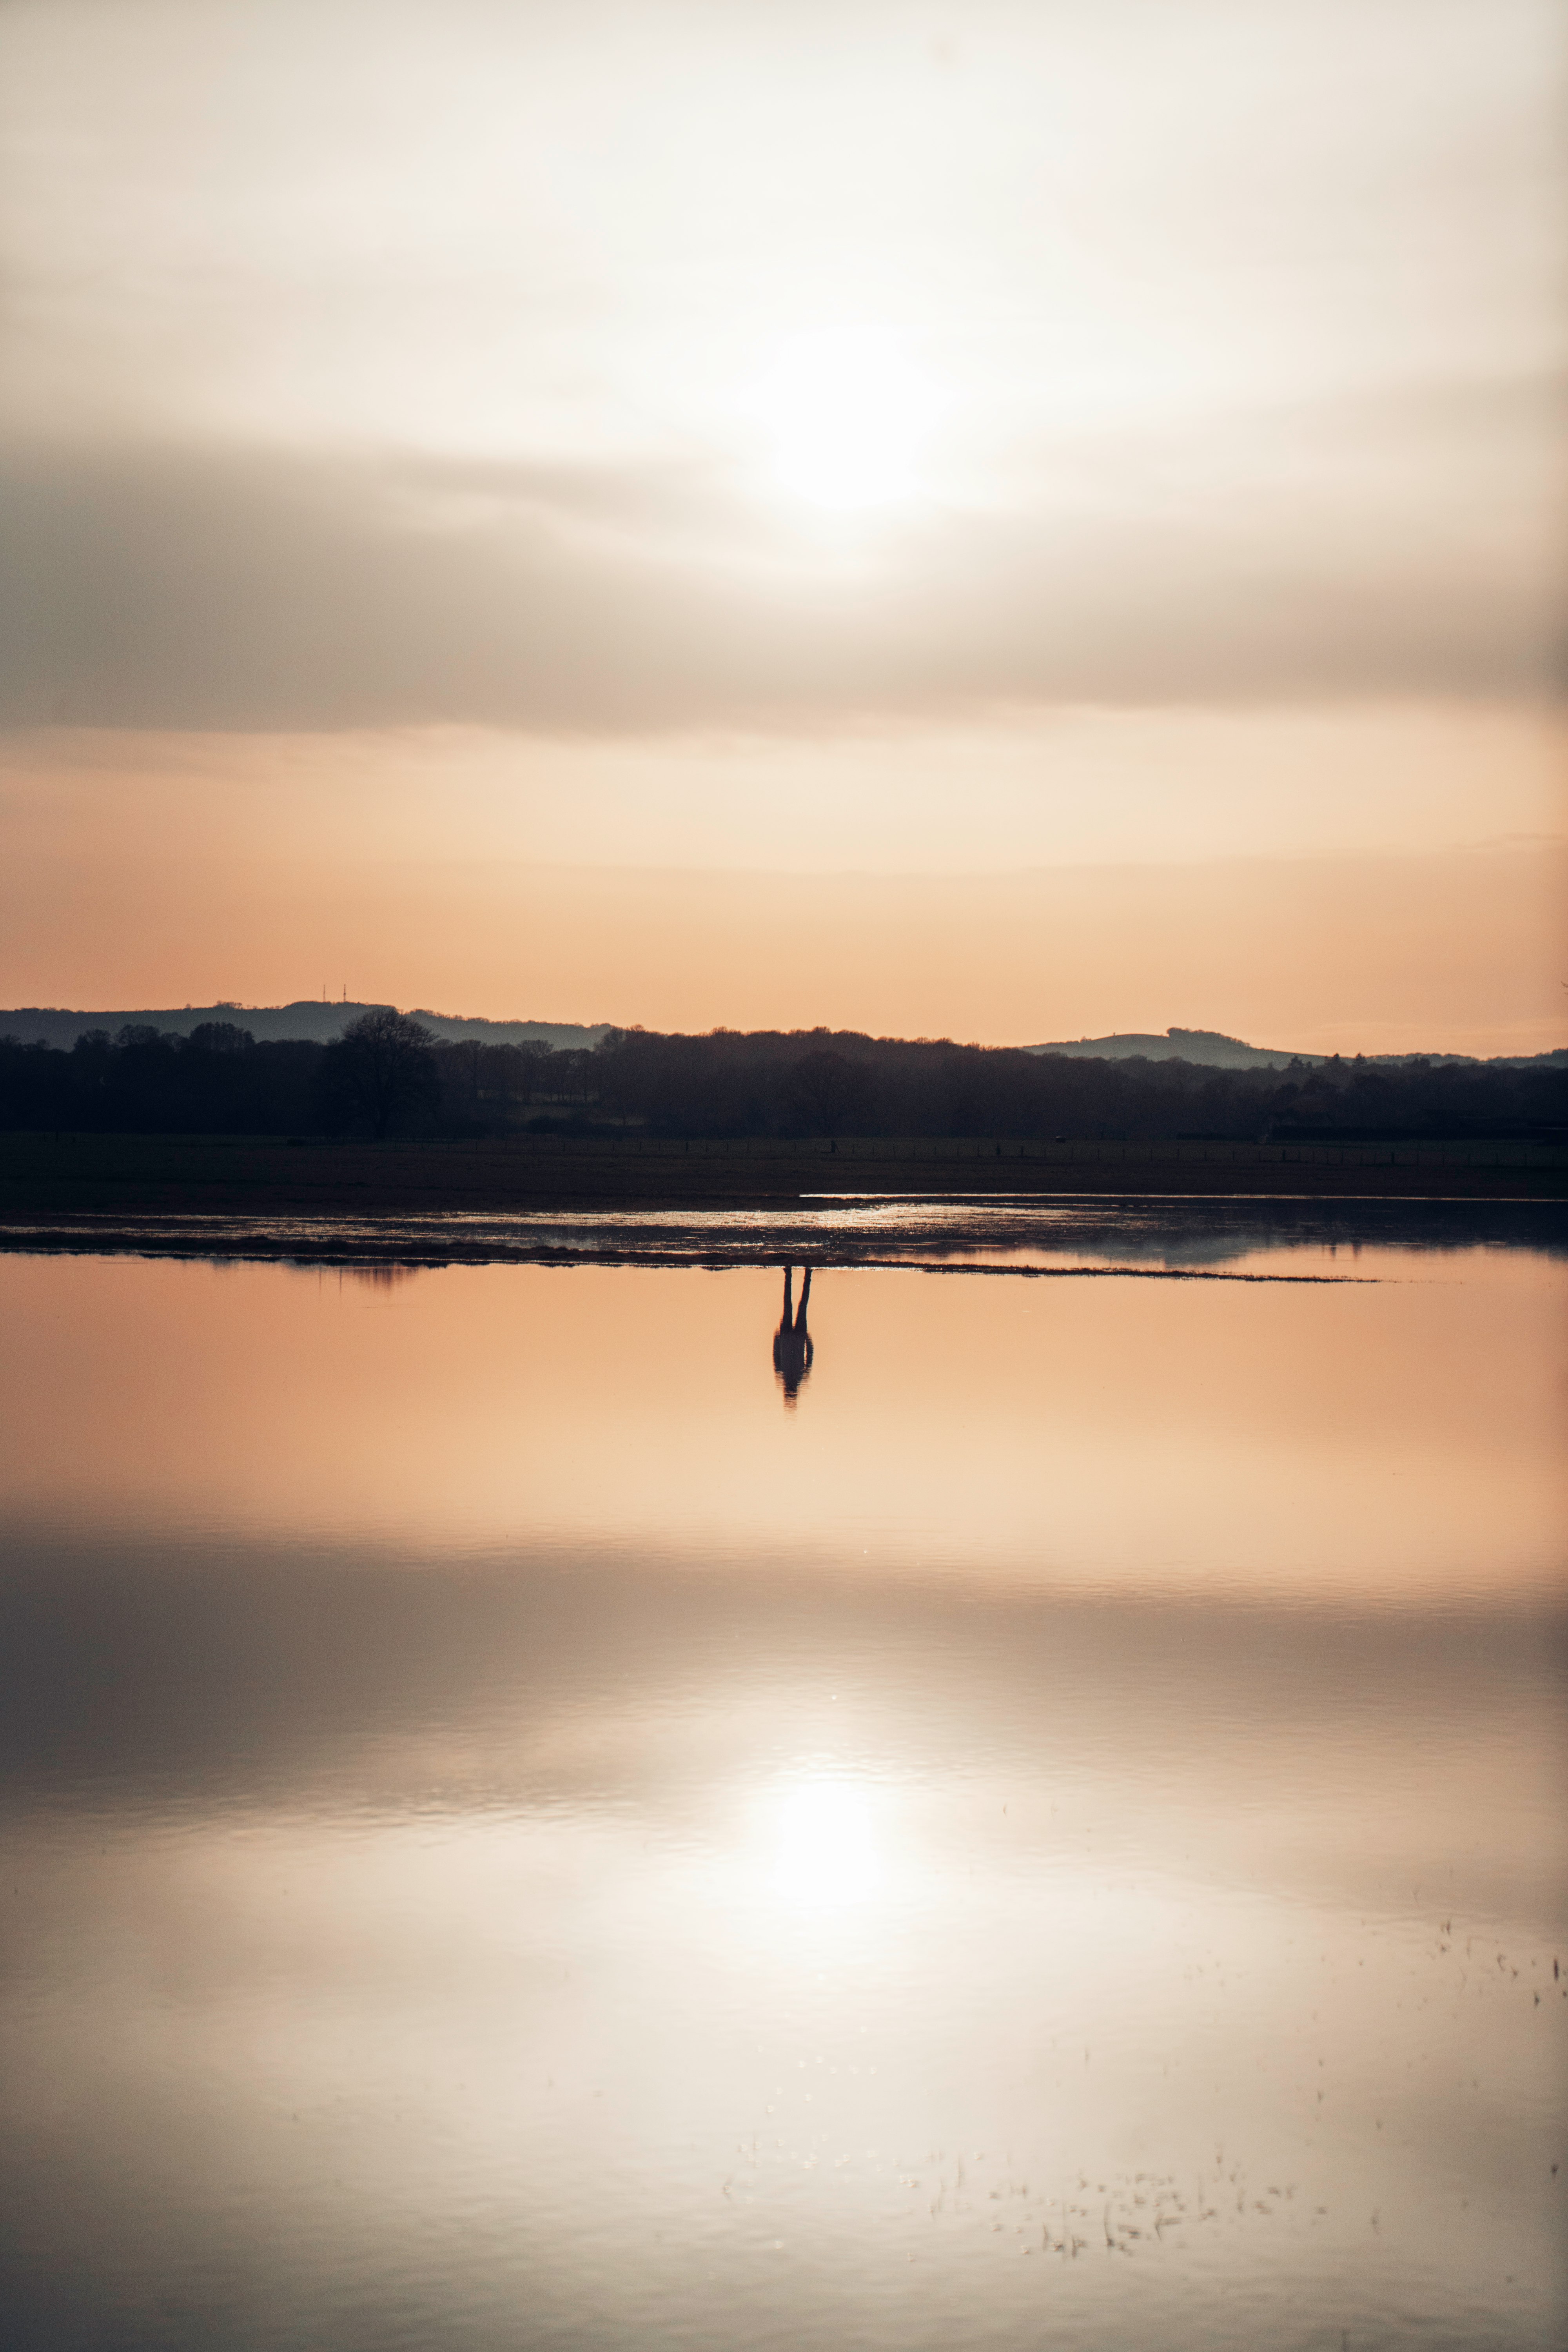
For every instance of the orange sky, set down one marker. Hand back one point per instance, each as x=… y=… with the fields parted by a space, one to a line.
x=1014 y=527
x=1452 y=951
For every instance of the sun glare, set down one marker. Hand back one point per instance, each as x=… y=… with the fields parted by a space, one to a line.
x=847 y=417
x=826 y=1857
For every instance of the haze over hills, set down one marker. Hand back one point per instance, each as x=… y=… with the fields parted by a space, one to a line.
x=1211 y=1049
x=311 y=1017
x=320 y=1020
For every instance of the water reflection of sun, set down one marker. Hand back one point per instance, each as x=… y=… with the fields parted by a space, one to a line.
x=825 y=1854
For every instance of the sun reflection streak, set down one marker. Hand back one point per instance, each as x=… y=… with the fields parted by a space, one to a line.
x=825 y=1854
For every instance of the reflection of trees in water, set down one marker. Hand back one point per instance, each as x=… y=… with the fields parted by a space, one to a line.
x=378 y=1278
x=793 y=1351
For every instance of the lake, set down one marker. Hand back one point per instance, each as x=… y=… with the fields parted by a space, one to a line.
x=548 y=1806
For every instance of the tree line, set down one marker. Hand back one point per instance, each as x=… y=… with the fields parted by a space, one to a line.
x=387 y=1075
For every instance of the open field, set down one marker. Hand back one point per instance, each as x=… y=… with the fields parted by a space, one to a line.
x=97 y=1176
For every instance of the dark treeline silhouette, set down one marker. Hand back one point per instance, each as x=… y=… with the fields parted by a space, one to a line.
x=818 y=1083
x=386 y=1075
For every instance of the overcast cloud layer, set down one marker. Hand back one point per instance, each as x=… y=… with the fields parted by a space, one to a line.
x=260 y=589
x=389 y=364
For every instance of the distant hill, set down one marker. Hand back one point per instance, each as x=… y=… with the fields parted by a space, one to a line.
x=309 y=1017
x=1208 y=1046
x=1211 y=1049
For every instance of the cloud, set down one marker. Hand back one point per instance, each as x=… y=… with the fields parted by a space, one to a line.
x=1392 y=549
x=1230 y=332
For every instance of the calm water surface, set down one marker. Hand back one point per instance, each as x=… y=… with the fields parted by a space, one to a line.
x=543 y=1811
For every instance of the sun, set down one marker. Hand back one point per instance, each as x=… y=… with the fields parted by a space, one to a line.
x=826 y=1857
x=847 y=417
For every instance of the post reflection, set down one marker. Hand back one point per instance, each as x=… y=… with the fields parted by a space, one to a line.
x=793 y=1347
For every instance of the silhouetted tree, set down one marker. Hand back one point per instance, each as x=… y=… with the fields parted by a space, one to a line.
x=381 y=1070
x=530 y=1067
x=220 y=1037
x=386 y=1071
x=830 y=1092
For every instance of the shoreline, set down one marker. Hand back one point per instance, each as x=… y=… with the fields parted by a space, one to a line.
x=1035 y=1235
x=368 y=1256
x=57 y=1180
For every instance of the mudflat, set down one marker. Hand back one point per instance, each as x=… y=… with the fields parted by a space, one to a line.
x=50 y=1177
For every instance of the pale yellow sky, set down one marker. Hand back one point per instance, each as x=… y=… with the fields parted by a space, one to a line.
x=469 y=470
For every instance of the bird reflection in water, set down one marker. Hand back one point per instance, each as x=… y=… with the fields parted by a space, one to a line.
x=793 y=1351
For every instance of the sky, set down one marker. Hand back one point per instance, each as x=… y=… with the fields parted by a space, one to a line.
x=1011 y=522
